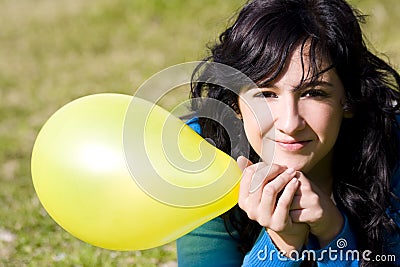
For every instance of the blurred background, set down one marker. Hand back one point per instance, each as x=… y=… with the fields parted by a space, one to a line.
x=52 y=52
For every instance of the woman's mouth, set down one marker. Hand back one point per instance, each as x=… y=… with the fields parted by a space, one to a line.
x=293 y=145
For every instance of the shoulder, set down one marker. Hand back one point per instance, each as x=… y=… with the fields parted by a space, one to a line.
x=209 y=245
x=395 y=182
x=194 y=124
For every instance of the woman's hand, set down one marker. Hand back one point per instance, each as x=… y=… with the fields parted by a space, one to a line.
x=316 y=208
x=266 y=194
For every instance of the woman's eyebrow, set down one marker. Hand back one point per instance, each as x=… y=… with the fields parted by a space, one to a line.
x=305 y=85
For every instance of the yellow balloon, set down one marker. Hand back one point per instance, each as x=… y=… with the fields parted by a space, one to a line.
x=124 y=182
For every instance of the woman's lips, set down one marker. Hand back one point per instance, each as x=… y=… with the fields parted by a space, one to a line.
x=293 y=145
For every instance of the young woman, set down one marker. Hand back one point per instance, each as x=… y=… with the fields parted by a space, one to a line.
x=326 y=107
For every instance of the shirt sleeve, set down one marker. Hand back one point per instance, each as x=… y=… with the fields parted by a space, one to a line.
x=194 y=124
x=265 y=253
x=208 y=246
x=392 y=239
x=340 y=252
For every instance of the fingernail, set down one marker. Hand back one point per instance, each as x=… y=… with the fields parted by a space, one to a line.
x=294 y=180
x=290 y=171
x=241 y=163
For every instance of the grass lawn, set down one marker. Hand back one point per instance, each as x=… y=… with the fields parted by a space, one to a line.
x=55 y=51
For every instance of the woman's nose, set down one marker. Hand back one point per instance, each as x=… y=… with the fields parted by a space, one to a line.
x=288 y=118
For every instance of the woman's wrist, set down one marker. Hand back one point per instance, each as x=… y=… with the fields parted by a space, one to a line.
x=287 y=244
x=335 y=227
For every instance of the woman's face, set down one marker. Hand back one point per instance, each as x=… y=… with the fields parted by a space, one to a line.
x=292 y=123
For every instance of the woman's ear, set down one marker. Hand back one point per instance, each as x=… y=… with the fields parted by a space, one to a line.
x=348 y=114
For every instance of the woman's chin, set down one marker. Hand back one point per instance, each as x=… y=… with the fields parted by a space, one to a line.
x=298 y=166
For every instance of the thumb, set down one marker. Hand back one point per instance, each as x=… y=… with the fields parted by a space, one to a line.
x=243 y=162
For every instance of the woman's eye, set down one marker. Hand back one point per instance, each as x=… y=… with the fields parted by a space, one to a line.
x=315 y=93
x=266 y=94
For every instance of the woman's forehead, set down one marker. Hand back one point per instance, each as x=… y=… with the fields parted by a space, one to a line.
x=309 y=63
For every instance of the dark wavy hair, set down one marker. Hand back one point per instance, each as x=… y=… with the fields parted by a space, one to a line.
x=259 y=44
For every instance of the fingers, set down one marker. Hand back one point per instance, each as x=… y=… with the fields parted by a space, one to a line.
x=310 y=204
x=261 y=205
x=297 y=202
x=273 y=188
x=265 y=185
x=263 y=174
x=303 y=200
x=260 y=171
x=298 y=215
x=245 y=183
x=279 y=206
x=283 y=205
x=256 y=175
x=243 y=162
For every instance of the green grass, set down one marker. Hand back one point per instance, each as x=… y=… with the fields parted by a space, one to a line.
x=54 y=51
